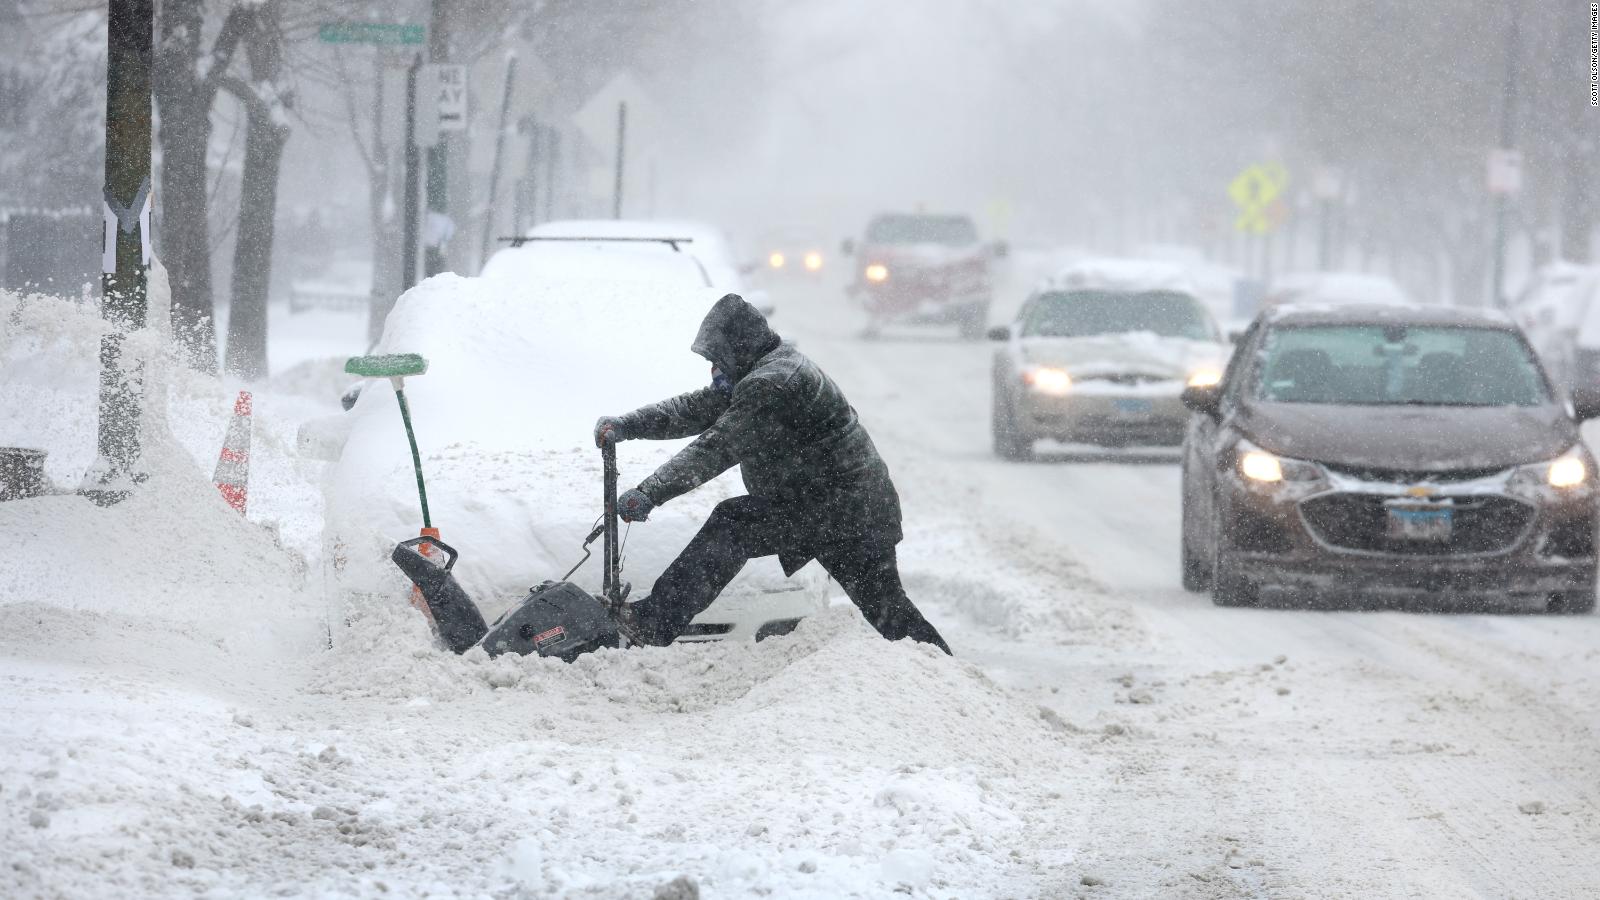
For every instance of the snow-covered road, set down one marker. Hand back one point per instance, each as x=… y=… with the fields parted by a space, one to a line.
x=171 y=724
x=1238 y=752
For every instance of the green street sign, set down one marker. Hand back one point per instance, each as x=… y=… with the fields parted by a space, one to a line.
x=371 y=33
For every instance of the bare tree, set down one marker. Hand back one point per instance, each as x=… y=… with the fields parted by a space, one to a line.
x=266 y=100
x=186 y=82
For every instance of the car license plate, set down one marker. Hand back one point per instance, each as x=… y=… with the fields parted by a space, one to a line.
x=1132 y=407
x=1419 y=523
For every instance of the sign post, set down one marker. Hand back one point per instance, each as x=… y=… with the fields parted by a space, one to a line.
x=441 y=108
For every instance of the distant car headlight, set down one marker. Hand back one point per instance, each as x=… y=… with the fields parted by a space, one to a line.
x=813 y=261
x=1206 y=376
x=1047 y=380
x=1567 y=471
x=1257 y=465
x=877 y=272
x=776 y=260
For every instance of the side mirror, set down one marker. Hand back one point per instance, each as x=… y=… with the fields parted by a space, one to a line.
x=1235 y=337
x=1001 y=249
x=1000 y=333
x=847 y=247
x=1586 y=404
x=1207 y=400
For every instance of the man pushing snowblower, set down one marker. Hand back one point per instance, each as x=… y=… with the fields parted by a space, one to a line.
x=817 y=487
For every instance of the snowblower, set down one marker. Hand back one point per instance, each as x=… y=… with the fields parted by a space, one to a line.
x=557 y=618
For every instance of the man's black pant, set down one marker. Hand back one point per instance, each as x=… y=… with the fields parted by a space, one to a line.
x=743 y=528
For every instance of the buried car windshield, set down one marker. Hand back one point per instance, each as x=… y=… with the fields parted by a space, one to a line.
x=1397 y=364
x=1091 y=313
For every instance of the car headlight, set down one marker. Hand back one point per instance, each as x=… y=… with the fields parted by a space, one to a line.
x=813 y=261
x=877 y=272
x=1568 y=471
x=776 y=260
x=1047 y=379
x=1205 y=376
x=1257 y=465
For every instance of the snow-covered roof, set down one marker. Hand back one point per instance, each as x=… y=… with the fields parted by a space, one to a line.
x=707 y=242
x=1122 y=274
x=1387 y=314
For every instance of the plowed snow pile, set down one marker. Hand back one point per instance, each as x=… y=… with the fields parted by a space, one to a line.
x=173 y=724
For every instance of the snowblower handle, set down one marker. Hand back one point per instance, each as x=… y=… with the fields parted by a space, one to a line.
x=611 y=578
x=416 y=546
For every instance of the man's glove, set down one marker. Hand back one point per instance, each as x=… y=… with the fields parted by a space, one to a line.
x=634 y=506
x=608 y=428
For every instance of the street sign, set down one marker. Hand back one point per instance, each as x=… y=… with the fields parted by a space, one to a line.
x=1505 y=172
x=441 y=102
x=1256 y=191
x=383 y=33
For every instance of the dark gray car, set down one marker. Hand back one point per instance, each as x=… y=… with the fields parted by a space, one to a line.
x=1388 y=453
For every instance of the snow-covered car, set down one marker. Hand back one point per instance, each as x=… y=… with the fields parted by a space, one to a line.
x=1559 y=310
x=1099 y=354
x=924 y=268
x=521 y=362
x=1389 y=452
x=1334 y=289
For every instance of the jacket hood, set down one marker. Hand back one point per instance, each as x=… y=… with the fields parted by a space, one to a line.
x=1410 y=438
x=734 y=335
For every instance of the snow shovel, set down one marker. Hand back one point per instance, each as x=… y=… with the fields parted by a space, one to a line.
x=557 y=618
x=395 y=367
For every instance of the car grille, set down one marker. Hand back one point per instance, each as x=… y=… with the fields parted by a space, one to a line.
x=1410 y=477
x=1129 y=379
x=1360 y=522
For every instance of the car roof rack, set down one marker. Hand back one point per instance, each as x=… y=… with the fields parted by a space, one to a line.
x=672 y=242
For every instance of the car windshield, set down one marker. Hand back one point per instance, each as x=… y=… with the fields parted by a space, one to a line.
x=954 y=231
x=1376 y=365
x=1090 y=313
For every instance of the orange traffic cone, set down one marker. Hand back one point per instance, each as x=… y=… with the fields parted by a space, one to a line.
x=233 y=465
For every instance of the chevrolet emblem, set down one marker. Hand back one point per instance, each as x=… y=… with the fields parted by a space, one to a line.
x=1419 y=490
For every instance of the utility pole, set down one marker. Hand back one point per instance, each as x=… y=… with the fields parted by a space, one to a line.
x=408 y=252
x=434 y=260
x=1508 y=136
x=622 y=143
x=125 y=254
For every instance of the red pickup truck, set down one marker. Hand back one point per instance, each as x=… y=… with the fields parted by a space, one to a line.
x=922 y=268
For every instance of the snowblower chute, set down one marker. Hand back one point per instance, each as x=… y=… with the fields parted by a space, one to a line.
x=557 y=618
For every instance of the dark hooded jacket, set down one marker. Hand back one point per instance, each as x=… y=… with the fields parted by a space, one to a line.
x=786 y=424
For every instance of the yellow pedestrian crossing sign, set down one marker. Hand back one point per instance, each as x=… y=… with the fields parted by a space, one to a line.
x=1256 y=191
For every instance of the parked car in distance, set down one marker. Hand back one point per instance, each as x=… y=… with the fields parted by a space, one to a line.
x=1390 y=454
x=1099 y=354
x=1560 y=312
x=1333 y=289
x=924 y=269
